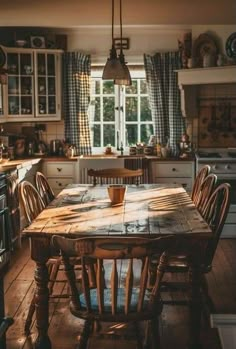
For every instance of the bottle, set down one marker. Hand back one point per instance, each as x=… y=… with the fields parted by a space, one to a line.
x=158 y=149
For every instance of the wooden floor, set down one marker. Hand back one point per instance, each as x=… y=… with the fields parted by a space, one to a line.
x=64 y=328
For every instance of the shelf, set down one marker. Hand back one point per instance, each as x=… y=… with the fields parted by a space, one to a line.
x=213 y=75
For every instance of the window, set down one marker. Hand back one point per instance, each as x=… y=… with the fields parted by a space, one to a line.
x=119 y=113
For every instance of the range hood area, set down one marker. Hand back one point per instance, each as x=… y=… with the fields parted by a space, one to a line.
x=190 y=79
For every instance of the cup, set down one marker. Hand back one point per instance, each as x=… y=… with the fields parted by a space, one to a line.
x=116 y=193
x=28 y=69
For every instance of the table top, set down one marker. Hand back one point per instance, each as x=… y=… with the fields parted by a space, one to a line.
x=154 y=210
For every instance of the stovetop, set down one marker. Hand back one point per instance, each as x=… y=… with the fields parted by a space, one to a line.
x=227 y=154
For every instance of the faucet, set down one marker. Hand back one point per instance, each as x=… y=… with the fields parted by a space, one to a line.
x=121 y=148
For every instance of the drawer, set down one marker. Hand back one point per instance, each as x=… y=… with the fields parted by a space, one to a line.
x=185 y=182
x=175 y=169
x=59 y=183
x=57 y=169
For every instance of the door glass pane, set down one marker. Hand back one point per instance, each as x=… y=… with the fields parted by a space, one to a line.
x=13 y=85
x=109 y=109
x=131 y=107
x=143 y=86
x=133 y=88
x=146 y=132
x=97 y=87
x=42 y=102
x=51 y=64
x=26 y=105
x=132 y=134
x=51 y=86
x=145 y=110
x=42 y=86
x=109 y=135
x=96 y=135
x=52 y=105
x=41 y=63
x=13 y=105
x=108 y=87
x=26 y=66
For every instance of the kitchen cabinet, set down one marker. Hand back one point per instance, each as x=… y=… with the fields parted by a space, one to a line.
x=179 y=172
x=60 y=173
x=33 y=92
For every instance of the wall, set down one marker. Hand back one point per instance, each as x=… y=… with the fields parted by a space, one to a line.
x=143 y=39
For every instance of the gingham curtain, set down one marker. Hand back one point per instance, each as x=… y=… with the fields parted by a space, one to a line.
x=164 y=97
x=77 y=71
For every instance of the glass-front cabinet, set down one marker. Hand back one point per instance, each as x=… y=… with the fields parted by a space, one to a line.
x=34 y=84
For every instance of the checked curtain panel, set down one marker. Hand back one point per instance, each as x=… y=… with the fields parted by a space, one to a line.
x=164 y=97
x=77 y=71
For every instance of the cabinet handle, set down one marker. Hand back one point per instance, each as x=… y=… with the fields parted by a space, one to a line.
x=173 y=169
x=59 y=184
x=59 y=169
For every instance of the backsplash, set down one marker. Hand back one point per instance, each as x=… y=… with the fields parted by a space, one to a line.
x=215 y=126
x=54 y=130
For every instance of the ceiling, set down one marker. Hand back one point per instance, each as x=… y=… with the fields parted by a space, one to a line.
x=75 y=13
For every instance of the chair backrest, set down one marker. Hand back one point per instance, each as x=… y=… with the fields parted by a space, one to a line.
x=215 y=214
x=206 y=189
x=30 y=201
x=127 y=176
x=202 y=174
x=44 y=188
x=122 y=266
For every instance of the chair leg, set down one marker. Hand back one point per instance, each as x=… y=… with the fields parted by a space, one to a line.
x=53 y=275
x=84 y=335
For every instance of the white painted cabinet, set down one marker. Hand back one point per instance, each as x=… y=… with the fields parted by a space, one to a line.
x=60 y=174
x=33 y=90
x=179 y=172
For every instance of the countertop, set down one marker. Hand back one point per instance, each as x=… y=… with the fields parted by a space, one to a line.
x=20 y=163
x=17 y=164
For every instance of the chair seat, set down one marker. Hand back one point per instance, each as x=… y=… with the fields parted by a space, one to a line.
x=120 y=300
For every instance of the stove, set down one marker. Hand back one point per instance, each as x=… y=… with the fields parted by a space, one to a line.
x=222 y=163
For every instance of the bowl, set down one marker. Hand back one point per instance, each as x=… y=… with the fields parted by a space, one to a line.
x=116 y=193
x=20 y=43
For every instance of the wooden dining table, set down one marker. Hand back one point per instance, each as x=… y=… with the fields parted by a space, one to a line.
x=147 y=211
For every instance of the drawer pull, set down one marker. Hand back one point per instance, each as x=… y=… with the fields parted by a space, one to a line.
x=173 y=169
x=59 y=169
x=59 y=184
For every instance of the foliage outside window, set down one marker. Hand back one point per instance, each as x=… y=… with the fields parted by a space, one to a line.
x=119 y=114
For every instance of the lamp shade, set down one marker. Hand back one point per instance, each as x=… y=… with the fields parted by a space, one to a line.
x=113 y=68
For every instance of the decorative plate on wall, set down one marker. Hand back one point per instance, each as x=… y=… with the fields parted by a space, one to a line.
x=204 y=44
x=230 y=46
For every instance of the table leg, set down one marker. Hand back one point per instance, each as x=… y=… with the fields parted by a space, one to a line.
x=41 y=306
x=40 y=253
x=195 y=307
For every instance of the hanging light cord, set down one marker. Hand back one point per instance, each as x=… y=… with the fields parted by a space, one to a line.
x=121 y=34
x=112 y=22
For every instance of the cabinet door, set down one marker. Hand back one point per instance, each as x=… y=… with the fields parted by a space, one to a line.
x=47 y=84
x=20 y=84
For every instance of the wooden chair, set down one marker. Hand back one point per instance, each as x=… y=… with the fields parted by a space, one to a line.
x=122 y=292
x=206 y=189
x=215 y=213
x=44 y=188
x=30 y=200
x=32 y=204
x=127 y=176
x=202 y=174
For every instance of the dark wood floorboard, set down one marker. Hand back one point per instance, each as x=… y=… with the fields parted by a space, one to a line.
x=64 y=329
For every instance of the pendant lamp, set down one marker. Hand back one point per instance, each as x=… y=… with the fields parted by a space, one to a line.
x=113 y=68
x=126 y=79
